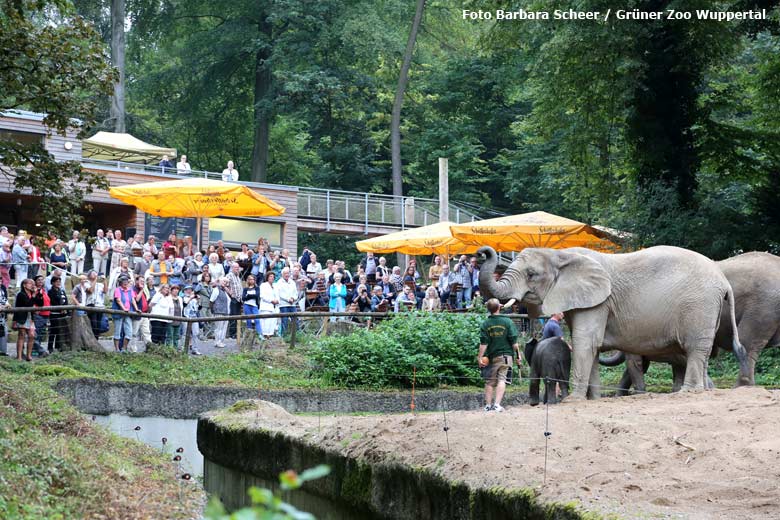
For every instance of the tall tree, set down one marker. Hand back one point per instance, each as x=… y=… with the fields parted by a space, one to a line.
x=262 y=98
x=52 y=62
x=117 y=113
x=403 y=79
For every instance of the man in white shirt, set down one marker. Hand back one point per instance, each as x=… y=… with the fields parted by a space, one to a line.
x=77 y=251
x=314 y=267
x=287 y=290
x=183 y=167
x=230 y=174
x=100 y=253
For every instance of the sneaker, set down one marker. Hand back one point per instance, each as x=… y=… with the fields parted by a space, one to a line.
x=498 y=408
x=488 y=408
x=219 y=345
x=195 y=352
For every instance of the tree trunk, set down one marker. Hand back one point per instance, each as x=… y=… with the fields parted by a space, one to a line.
x=81 y=337
x=262 y=108
x=118 y=59
x=395 y=123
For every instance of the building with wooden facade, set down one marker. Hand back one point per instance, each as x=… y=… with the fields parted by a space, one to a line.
x=18 y=210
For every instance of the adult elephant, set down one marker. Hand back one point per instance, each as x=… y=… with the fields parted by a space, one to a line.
x=755 y=280
x=659 y=300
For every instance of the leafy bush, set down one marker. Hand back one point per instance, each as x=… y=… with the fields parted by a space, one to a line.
x=440 y=347
x=267 y=505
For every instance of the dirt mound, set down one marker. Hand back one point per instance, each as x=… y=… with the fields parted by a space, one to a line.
x=697 y=456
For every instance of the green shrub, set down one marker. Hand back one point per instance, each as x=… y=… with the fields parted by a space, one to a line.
x=438 y=348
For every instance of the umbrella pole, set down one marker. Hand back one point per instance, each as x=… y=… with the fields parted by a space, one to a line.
x=198 y=230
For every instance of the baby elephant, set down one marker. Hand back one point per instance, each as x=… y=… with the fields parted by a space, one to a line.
x=549 y=358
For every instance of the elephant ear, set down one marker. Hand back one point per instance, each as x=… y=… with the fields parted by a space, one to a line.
x=580 y=283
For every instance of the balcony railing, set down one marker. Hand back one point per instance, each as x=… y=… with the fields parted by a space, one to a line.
x=330 y=206
x=373 y=209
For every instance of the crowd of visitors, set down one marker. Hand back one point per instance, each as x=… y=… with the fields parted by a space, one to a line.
x=173 y=278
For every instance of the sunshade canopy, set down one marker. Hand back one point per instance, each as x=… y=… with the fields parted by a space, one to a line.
x=110 y=146
x=197 y=198
x=536 y=229
x=429 y=240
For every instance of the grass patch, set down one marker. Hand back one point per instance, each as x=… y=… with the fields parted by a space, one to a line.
x=56 y=464
x=281 y=370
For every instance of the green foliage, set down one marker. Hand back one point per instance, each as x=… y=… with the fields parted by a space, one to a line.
x=54 y=462
x=267 y=505
x=427 y=348
x=52 y=62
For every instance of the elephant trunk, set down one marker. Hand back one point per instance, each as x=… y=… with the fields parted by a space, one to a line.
x=614 y=360
x=488 y=286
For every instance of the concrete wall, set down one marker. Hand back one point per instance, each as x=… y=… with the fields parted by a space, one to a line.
x=94 y=396
x=234 y=453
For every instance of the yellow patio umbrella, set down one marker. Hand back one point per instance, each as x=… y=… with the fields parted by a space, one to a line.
x=435 y=239
x=536 y=229
x=197 y=198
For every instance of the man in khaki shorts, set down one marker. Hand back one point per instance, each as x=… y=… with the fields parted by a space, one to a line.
x=498 y=348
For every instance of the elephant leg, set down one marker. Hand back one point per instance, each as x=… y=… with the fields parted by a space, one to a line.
x=533 y=388
x=594 y=383
x=695 y=369
x=587 y=336
x=635 y=366
x=678 y=374
x=564 y=390
x=625 y=384
x=754 y=334
x=749 y=379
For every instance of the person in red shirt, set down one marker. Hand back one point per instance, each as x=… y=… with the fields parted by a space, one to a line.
x=41 y=319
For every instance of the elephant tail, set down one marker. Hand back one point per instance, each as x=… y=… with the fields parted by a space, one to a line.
x=739 y=350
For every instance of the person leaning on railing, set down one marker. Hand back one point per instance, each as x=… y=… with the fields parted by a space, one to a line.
x=58 y=328
x=23 y=321
x=141 y=325
x=161 y=305
x=41 y=319
x=123 y=325
x=220 y=306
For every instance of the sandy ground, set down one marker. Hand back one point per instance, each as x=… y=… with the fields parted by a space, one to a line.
x=707 y=455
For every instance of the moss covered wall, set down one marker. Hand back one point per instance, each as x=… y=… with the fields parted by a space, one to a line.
x=384 y=489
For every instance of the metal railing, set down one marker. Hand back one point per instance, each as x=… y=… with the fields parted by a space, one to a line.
x=371 y=209
x=329 y=205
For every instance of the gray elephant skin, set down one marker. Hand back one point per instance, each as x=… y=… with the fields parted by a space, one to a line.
x=660 y=300
x=755 y=280
x=550 y=363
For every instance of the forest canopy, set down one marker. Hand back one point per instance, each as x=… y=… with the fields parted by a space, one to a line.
x=666 y=129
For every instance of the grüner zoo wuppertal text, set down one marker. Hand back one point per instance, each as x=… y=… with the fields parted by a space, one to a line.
x=615 y=14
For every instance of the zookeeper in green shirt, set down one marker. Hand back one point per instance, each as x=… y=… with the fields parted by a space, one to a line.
x=497 y=348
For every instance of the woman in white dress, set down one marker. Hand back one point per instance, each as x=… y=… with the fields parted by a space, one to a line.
x=118 y=247
x=269 y=299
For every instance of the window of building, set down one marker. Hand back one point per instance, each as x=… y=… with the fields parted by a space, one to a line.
x=21 y=137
